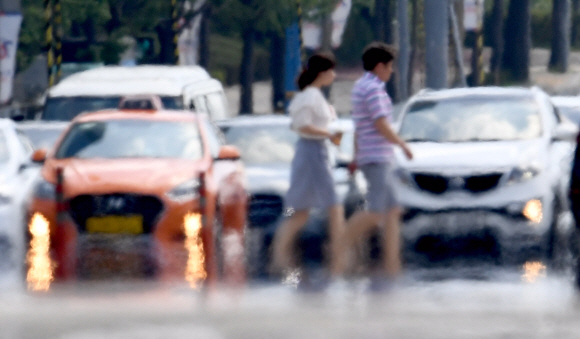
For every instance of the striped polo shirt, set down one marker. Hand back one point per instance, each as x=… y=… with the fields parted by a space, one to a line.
x=370 y=102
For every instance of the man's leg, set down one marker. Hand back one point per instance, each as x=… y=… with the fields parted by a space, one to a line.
x=392 y=242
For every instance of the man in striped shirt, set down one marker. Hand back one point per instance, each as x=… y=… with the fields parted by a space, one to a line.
x=374 y=142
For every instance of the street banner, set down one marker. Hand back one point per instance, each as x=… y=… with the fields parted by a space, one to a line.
x=311 y=32
x=292 y=60
x=9 y=31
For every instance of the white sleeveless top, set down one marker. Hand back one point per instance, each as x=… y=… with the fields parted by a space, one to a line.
x=309 y=107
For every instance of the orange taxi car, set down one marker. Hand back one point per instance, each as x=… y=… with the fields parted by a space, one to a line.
x=128 y=180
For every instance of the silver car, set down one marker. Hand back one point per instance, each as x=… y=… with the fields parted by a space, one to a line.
x=17 y=175
x=490 y=173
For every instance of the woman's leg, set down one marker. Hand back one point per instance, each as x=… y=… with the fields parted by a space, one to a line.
x=335 y=231
x=284 y=238
x=358 y=226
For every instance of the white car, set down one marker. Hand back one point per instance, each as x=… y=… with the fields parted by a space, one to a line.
x=568 y=106
x=17 y=176
x=489 y=175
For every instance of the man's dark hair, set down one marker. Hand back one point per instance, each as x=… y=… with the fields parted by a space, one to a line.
x=375 y=53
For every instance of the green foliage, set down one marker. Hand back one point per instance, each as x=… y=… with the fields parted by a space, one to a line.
x=358 y=33
x=31 y=40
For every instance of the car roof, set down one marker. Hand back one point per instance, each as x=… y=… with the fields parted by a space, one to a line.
x=6 y=122
x=474 y=92
x=161 y=115
x=42 y=124
x=255 y=119
x=569 y=101
x=122 y=80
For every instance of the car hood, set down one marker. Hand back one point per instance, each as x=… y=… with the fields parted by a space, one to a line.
x=473 y=156
x=102 y=176
x=273 y=179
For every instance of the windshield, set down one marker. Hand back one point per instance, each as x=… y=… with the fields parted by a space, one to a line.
x=572 y=113
x=472 y=119
x=131 y=139
x=4 y=149
x=261 y=145
x=43 y=137
x=66 y=108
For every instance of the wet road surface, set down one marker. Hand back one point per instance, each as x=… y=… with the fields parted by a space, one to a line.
x=476 y=302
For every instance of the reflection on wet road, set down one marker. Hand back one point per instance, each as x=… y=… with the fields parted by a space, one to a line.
x=474 y=302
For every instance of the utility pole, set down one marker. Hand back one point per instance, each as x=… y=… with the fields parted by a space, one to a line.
x=458 y=45
x=404 y=49
x=437 y=41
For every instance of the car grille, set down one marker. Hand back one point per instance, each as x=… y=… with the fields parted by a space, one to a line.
x=482 y=183
x=438 y=184
x=83 y=207
x=264 y=209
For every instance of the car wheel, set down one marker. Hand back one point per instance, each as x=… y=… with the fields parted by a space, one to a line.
x=557 y=248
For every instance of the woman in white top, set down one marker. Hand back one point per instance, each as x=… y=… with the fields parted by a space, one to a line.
x=311 y=182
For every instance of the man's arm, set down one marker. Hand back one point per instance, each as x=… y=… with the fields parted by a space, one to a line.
x=384 y=128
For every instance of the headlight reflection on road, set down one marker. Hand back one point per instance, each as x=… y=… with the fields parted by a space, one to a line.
x=195 y=270
x=533 y=270
x=40 y=266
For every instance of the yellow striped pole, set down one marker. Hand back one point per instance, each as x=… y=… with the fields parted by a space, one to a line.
x=48 y=38
x=58 y=38
x=175 y=28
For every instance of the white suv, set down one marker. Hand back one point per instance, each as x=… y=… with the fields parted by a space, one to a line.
x=490 y=172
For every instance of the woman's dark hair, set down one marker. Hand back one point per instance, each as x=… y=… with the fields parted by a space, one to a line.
x=318 y=63
x=376 y=53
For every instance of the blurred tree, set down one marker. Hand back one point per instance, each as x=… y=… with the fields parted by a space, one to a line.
x=518 y=40
x=560 y=36
x=497 y=42
x=256 y=20
x=575 y=22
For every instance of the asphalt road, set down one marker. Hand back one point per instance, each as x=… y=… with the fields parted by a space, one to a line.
x=476 y=302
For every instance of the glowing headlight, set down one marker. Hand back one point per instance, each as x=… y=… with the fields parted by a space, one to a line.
x=533 y=210
x=185 y=191
x=44 y=190
x=521 y=174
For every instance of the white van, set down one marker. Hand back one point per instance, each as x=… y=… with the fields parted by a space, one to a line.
x=179 y=87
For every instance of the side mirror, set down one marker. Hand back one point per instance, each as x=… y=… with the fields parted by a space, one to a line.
x=228 y=152
x=39 y=156
x=565 y=132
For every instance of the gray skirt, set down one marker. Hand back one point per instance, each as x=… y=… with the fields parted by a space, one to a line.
x=311 y=181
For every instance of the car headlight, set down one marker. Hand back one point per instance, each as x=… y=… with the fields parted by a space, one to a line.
x=44 y=190
x=521 y=174
x=404 y=177
x=185 y=191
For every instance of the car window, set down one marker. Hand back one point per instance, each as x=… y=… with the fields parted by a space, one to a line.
x=66 y=108
x=571 y=112
x=43 y=137
x=263 y=144
x=472 y=119
x=132 y=139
